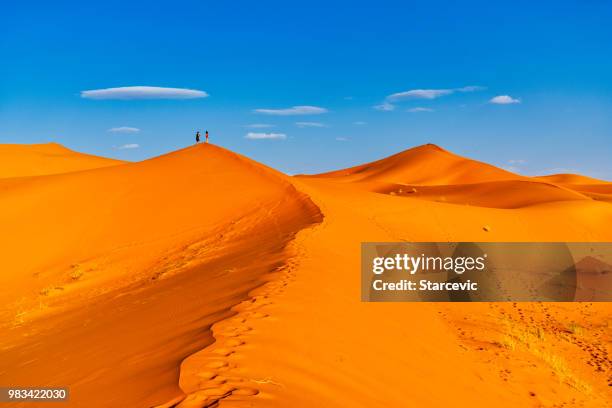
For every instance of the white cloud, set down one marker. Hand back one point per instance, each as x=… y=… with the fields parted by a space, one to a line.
x=294 y=110
x=259 y=126
x=143 y=92
x=261 y=136
x=385 y=106
x=310 y=124
x=562 y=170
x=471 y=88
x=360 y=123
x=342 y=139
x=517 y=161
x=123 y=129
x=419 y=109
x=430 y=93
x=504 y=100
x=129 y=146
x=348 y=98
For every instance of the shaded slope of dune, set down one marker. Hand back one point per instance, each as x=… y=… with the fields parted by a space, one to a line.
x=115 y=274
x=18 y=160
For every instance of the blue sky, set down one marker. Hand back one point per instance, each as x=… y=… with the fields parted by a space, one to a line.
x=549 y=64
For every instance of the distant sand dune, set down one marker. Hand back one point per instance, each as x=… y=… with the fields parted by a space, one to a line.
x=431 y=173
x=571 y=179
x=50 y=158
x=596 y=189
x=424 y=165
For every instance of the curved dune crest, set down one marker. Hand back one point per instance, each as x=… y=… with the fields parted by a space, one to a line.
x=20 y=160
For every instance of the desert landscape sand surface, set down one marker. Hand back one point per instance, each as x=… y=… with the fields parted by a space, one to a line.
x=202 y=278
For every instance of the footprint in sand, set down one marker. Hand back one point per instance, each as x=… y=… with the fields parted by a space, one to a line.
x=224 y=352
x=234 y=342
x=246 y=392
x=206 y=375
x=218 y=364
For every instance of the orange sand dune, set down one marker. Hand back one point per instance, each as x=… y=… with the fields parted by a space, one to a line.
x=112 y=276
x=424 y=165
x=431 y=173
x=17 y=160
x=151 y=255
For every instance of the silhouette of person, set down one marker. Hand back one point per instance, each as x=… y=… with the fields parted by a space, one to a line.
x=207 y=136
x=198 y=136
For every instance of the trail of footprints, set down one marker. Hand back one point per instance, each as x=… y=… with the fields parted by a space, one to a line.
x=209 y=377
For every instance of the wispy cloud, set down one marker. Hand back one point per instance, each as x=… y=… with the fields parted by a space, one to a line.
x=420 y=109
x=430 y=93
x=419 y=94
x=386 y=106
x=512 y=169
x=360 y=123
x=123 y=129
x=515 y=165
x=143 y=92
x=129 y=146
x=470 y=88
x=262 y=136
x=294 y=110
x=562 y=170
x=310 y=124
x=342 y=139
x=504 y=100
x=259 y=126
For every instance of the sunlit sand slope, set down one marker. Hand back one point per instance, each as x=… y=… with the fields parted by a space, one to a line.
x=17 y=160
x=111 y=277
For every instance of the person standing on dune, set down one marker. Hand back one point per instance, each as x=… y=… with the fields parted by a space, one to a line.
x=198 y=137
x=207 y=136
